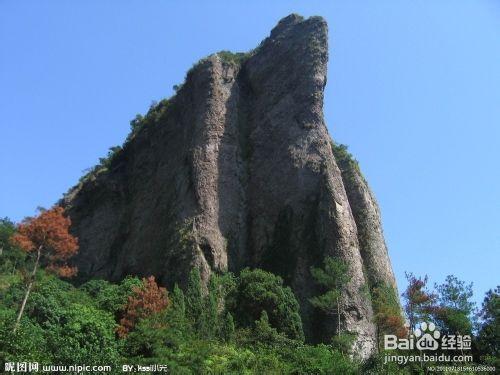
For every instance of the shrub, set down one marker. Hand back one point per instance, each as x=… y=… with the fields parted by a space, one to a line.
x=259 y=291
x=84 y=335
x=233 y=57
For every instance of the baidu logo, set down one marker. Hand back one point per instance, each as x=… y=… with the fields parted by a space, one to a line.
x=427 y=337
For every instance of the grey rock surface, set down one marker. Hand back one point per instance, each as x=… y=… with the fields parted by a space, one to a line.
x=237 y=170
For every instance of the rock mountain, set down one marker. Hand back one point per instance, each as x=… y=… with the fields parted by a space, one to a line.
x=238 y=169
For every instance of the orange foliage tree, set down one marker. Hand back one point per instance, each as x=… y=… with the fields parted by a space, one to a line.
x=419 y=303
x=388 y=314
x=390 y=322
x=145 y=300
x=47 y=236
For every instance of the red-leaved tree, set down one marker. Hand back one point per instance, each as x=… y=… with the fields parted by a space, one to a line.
x=47 y=237
x=145 y=300
x=388 y=314
x=419 y=302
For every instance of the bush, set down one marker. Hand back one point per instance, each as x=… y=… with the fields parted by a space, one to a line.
x=108 y=296
x=85 y=335
x=28 y=343
x=259 y=291
x=233 y=57
x=61 y=325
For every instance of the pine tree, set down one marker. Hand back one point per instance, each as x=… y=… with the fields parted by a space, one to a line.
x=264 y=332
x=194 y=300
x=178 y=301
x=454 y=312
x=489 y=331
x=211 y=310
x=227 y=328
x=332 y=277
x=258 y=290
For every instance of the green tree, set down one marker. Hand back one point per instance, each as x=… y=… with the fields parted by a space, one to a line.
x=317 y=359
x=28 y=343
x=10 y=256
x=454 y=311
x=106 y=295
x=265 y=334
x=488 y=339
x=111 y=297
x=51 y=300
x=377 y=364
x=62 y=323
x=332 y=279
x=84 y=335
x=212 y=303
x=227 y=328
x=213 y=313
x=149 y=337
x=178 y=301
x=257 y=291
x=194 y=300
x=7 y=229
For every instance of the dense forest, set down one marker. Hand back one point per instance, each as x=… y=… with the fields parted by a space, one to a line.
x=246 y=323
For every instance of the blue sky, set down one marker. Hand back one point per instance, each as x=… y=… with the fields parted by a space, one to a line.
x=413 y=89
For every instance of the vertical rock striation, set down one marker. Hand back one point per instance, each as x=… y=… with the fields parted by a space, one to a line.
x=366 y=213
x=236 y=170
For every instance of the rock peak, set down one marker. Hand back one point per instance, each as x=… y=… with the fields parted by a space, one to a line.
x=293 y=20
x=286 y=23
x=238 y=170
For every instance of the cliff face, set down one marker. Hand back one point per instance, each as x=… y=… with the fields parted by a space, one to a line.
x=238 y=170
